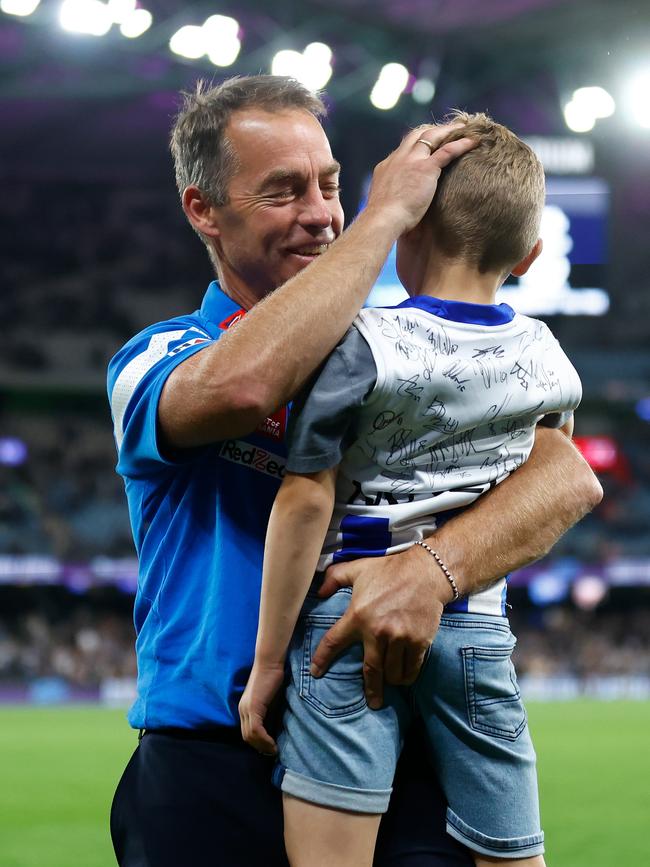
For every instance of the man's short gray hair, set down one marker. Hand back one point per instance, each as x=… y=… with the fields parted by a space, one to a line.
x=203 y=155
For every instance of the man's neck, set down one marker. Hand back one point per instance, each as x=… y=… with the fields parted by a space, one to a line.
x=240 y=294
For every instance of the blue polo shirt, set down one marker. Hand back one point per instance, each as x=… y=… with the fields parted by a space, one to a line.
x=199 y=522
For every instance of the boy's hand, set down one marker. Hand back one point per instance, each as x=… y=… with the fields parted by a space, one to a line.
x=264 y=682
x=395 y=611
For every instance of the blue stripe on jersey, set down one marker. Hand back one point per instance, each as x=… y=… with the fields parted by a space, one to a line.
x=460 y=606
x=461 y=311
x=363 y=537
x=504 y=596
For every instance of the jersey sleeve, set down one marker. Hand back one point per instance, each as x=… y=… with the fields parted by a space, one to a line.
x=568 y=379
x=322 y=424
x=136 y=376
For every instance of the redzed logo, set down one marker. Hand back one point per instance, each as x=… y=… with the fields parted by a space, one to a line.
x=239 y=452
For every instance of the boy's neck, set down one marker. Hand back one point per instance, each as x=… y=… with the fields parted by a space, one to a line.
x=455 y=280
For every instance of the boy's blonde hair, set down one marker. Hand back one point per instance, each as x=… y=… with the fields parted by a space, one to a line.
x=488 y=205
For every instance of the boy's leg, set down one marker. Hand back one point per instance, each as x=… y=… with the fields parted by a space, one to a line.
x=318 y=836
x=336 y=758
x=480 y=745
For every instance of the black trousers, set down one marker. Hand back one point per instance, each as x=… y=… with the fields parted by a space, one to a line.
x=191 y=802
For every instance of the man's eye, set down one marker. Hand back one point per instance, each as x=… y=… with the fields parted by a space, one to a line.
x=282 y=194
x=331 y=190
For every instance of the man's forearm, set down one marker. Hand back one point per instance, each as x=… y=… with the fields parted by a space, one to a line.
x=521 y=519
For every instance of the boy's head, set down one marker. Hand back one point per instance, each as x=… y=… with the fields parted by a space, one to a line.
x=488 y=205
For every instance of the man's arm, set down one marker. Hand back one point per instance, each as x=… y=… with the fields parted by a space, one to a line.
x=229 y=388
x=397 y=601
x=299 y=519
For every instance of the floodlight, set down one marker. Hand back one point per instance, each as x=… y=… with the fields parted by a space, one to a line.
x=121 y=9
x=222 y=27
x=595 y=100
x=19 y=7
x=311 y=68
x=637 y=98
x=287 y=62
x=578 y=117
x=318 y=53
x=136 y=23
x=390 y=85
x=85 y=16
x=222 y=39
x=423 y=91
x=189 y=42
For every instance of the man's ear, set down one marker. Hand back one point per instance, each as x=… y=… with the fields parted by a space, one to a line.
x=200 y=212
x=521 y=267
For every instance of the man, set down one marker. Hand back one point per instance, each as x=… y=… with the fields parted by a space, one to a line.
x=198 y=405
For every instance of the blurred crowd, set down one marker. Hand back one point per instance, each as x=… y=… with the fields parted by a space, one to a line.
x=561 y=641
x=50 y=633
x=103 y=262
x=65 y=500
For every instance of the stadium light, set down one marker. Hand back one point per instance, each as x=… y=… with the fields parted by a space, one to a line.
x=189 y=42
x=19 y=7
x=312 y=67
x=578 y=117
x=121 y=9
x=636 y=98
x=222 y=39
x=596 y=100
x=423 y=91
x=217 y=37
x=390 y=85
x=85 y=16
x=587 y=105
x=136 y=23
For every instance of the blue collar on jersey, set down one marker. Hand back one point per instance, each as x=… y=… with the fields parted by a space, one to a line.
x=216 y=305
x=462 y=311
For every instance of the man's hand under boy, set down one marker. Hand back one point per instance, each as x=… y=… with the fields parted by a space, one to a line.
x=395 y=611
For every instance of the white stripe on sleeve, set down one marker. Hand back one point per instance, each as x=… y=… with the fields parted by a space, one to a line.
x=127 y=382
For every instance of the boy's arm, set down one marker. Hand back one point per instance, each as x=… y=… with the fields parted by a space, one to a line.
x=297 y=526
x=397 y=601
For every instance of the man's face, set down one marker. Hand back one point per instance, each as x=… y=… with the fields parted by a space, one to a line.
x=283 y=208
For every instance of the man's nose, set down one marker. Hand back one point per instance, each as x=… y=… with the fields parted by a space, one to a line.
x=315 y=211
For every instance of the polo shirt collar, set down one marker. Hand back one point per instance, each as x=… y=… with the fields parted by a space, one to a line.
x=217 y=306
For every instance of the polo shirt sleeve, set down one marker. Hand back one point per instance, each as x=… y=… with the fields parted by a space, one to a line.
x=136 y=377
x=322 y=423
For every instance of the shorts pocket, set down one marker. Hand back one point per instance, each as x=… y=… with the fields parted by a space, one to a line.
x=339 y=692
x=494 y=702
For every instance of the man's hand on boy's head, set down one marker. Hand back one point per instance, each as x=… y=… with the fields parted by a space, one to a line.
x=395 y=611
x=404 y=184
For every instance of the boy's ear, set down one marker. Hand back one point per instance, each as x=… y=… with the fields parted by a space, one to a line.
x=198 y=210
x=521 y=267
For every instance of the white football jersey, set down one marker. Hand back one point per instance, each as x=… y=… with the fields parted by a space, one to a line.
x=452 y=413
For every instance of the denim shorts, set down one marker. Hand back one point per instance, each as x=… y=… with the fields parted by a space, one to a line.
x=335 y=751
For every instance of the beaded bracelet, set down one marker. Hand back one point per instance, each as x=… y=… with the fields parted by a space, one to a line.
x=446 y=571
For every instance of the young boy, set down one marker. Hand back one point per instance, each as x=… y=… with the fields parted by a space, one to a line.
x=417 y=412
